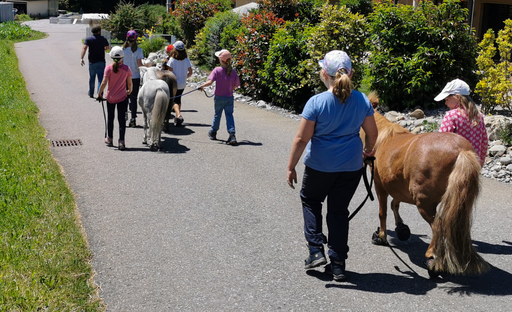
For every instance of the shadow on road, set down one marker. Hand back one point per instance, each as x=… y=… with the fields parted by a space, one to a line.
x=496 y=282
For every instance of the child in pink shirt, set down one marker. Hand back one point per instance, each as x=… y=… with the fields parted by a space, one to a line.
x=226 y=82
x=464 y=117
x=118 y=77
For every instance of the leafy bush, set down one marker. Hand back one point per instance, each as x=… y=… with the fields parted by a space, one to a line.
x=495 y=85
x=168 y=24
x=430 y=126
x=229 y=35
x=505 y=134
x=252 y=50
x=150 y=43
x=358 y=6
x=192 y=15
x=281 y=73
x=13 y=31
x=22 y=18
x=209 y=38
x=305 y=10
x=127 y=17
x=339 y=29
x=414 y=52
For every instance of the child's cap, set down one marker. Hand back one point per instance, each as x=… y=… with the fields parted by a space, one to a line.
x=456 y=86
x=334 y=61
x=223 y=54
x=179 y=45
x=169 y=48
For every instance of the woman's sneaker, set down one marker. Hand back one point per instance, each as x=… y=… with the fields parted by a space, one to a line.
x=231 y=140
x=316 y=258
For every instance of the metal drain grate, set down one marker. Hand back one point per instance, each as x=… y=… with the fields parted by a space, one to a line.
x=63 y=143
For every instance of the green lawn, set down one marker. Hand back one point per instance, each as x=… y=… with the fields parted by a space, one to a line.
x=44 y=256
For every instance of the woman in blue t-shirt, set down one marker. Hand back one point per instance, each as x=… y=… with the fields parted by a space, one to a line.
x=329 y=131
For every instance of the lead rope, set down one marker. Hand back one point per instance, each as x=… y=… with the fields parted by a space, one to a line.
x=368 y=161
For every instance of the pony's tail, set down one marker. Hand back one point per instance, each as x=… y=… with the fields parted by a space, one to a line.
x=159 y=111
x=454 y=251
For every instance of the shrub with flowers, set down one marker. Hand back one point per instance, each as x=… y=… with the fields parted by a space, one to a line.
x=252 y=50
x=192 y=15
x=495 y=85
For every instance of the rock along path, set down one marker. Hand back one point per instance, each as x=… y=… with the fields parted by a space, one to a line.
x=202 y=226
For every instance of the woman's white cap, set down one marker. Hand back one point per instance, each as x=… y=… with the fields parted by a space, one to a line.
x=334 y=61
x=456 y=86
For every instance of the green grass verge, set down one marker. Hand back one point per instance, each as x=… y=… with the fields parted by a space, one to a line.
x=44 y=256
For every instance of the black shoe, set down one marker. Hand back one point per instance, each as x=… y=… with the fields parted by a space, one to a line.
x=338 y=271
x=178 y=121
x=212 y=135
x=231 y=140
x=316 y=258
x=132 y=123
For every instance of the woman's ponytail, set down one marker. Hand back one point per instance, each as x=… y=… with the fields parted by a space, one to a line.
x=342 y=85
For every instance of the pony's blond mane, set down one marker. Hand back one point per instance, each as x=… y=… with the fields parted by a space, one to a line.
x=387 y=129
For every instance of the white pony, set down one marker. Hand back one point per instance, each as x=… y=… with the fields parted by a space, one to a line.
x=153 y=99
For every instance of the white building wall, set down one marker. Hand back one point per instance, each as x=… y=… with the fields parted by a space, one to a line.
x=35 y=8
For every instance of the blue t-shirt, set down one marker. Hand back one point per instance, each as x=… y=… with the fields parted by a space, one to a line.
x=335 y=145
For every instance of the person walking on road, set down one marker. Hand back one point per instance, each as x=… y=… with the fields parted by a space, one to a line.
x=97 y=45
x=329 y=131
x=227 y=81
x=464 y=118
x=118 y=77
x=180 y=65
x=133 y=58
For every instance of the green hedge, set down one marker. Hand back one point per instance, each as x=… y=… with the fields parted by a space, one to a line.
x=414 y=52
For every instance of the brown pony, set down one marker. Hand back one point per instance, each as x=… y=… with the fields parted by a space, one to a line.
x=425 y=170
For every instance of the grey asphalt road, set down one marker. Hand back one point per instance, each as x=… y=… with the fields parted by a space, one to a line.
x=202 y=226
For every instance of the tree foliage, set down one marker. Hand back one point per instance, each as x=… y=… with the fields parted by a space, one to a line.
x=495 y=85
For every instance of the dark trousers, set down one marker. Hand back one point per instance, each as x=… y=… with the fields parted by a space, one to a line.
x=121 y=111
x=178 y=93
x=133 y=97
x=339 y=188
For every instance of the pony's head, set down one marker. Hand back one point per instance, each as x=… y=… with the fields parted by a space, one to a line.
x=147 y=73
x=374 y=99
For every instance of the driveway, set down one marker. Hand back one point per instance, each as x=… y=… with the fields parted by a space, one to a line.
x=203 y=226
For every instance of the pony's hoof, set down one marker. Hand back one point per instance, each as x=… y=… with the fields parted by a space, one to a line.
x=154 y=147
x=402 y=232
x=376 y=240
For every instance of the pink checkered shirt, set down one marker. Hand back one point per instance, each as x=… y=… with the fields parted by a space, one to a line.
x=457 y=121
